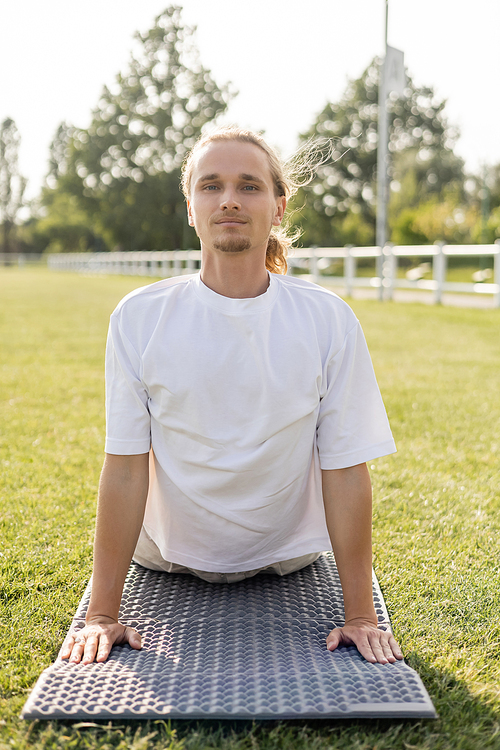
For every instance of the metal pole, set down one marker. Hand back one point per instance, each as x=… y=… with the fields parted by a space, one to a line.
x=485 y=211
x=382 y=150
x=439 y=272
x=496 y=274
x=314 y=271
x=349 y=270
x=390 y=269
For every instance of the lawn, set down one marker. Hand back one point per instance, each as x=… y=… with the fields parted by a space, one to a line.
x=436 y=520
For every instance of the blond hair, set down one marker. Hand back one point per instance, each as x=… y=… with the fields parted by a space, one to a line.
x=281 y=239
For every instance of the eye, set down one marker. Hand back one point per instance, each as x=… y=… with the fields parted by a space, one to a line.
x=250 y=188
x=210 y=187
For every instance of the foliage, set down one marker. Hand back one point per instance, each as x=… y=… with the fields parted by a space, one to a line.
x=62 y=226
x=491 y=181
x=59 y=153
x=484 y=192
x=115 y=185
x=339 y=205
x=12 y=184
x=436 y=515
x=492 y=229
x=124 y=170
x=440 y=218
x=59 y=221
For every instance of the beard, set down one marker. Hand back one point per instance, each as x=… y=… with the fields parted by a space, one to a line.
x=232 y=244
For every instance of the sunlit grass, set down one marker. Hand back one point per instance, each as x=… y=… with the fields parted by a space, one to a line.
x=436 y=525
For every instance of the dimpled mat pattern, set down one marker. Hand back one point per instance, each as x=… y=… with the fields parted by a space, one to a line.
x=249 y=650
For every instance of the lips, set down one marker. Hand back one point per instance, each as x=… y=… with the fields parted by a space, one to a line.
x=230 y=221
x=227 y=218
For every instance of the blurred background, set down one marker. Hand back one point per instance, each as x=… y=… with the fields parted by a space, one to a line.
x=100 y=102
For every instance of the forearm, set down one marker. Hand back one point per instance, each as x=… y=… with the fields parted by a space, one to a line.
x=348 y=506
x=123 y=491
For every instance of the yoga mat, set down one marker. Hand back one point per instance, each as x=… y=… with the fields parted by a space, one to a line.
x=249 y=650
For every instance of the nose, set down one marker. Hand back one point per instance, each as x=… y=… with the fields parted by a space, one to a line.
x=229 y=200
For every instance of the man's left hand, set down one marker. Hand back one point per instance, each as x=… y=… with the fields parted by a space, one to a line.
x=374 y=644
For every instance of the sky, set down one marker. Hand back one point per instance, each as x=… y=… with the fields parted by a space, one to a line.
x=287 y=59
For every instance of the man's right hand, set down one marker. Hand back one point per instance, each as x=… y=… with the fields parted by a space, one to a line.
x=95 y=641
x=123 y=490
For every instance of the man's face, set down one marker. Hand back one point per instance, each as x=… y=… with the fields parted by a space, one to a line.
x=233 y=204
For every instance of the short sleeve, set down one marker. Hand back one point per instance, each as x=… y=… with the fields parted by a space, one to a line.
x=128 y=422
x=352 y=423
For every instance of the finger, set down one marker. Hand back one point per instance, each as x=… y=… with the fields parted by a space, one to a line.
x=376 y=647
x=390 y=647
x=105 y=646
x=90 y=649
x=365 y=649
x=106 y=642
x=395 y=647
x=77 y=650
x=67 y=646
x=333 y=639
x=133 y=637
x=386 y=648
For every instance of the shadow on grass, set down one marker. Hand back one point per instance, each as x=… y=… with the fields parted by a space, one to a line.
x=466 y=722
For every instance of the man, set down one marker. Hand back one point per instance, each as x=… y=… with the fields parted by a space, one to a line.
x=241 y=410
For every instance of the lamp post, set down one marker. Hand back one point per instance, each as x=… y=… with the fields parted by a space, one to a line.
x=392 y=78
x=381 y=232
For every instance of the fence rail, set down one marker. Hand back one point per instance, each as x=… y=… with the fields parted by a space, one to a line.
x=22 y=259
x=314 y=260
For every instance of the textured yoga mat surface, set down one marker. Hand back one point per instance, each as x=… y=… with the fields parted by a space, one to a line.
x=254 y=649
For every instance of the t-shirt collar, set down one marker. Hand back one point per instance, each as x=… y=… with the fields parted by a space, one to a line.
x=237 y=306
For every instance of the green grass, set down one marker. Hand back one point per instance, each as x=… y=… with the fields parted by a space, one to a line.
x=436 y=525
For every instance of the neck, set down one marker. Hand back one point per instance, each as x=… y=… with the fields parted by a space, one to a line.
x=235 y=275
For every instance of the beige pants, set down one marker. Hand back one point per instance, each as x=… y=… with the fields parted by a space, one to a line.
x=148 y=555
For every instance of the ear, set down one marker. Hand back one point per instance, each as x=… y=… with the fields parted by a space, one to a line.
x=190 y=213
x=280 y=211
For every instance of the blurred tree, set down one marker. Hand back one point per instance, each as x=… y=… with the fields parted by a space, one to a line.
x=59 y=221
x=446 y=218
x=482 y=204
x=59 y=154
x=59 y=227
x=495 y=187
x=124 y=170
x=12 y=184
x=486 y=195
x=492 y=226
x=339 y=205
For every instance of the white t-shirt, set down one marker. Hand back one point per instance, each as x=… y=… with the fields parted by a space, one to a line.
x=242 y=402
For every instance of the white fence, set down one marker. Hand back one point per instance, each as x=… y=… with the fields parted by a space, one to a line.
x=163 y=263
x=22 y=259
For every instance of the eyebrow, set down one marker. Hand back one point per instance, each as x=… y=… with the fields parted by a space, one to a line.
x=250 y=178
x=244 y=176
x=208 y=177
